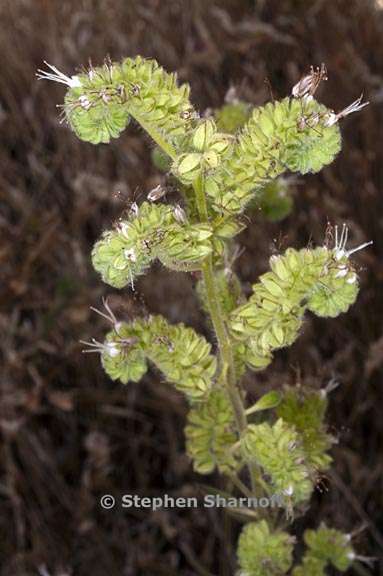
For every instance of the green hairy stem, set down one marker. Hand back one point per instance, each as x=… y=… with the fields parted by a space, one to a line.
x=223 y=164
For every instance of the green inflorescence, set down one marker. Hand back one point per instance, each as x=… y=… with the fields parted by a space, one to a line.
x=264 y=552
x=100 y=106
x=275 y=200
x=210 y=432
x=320 y=280
x=278 y=450
x=325 y=546
x=232 y=117
x=305 y=409
x=274 y=140
x=177 y=351
x=153 y=232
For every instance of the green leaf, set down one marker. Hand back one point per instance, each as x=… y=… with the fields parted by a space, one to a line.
x=267 y=401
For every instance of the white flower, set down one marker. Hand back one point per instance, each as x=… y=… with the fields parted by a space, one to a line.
x=355 y=106
x=340 y=246
x=57 y=76
x=110 y=348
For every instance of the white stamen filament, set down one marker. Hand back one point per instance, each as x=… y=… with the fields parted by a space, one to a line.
x=109 y=316
x=355 y=106
x=57 y=76
x=340 y=247
x=361 y=247
x=110 y=348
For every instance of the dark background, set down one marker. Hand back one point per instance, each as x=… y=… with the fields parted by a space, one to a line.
x=69 y=434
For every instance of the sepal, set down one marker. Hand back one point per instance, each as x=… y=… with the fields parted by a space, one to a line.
x=185 y=245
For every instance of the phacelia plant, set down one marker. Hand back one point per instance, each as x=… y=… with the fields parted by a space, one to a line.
x=223 y=163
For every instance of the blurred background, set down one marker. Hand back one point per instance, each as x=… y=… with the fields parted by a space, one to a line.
x=69 y=434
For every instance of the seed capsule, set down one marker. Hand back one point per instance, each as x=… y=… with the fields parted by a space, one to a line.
x=180 y=214
x=156 y=193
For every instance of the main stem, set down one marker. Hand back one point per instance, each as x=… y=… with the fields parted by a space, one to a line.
x=228 y=372
x=214 y=304
x=227 y=360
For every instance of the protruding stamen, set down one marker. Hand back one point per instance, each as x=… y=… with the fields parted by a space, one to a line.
x=111 y=348
x=369 y=560
x=343 y=238
x=340 y=248
x=361 y=247
x=332 y=385
x=57 y=76
x=355 y=106
x=109 y=316
x=131 y=280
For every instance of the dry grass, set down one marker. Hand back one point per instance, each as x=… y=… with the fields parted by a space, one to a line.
x=67 y=433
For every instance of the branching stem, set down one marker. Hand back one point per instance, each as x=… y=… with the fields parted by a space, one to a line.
x=155 y=135
x=228 y=372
